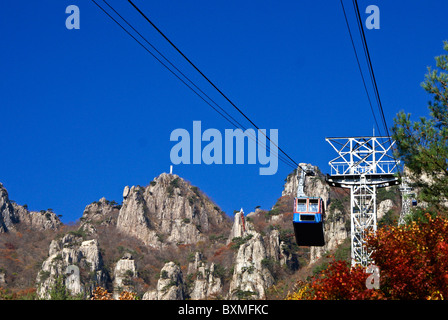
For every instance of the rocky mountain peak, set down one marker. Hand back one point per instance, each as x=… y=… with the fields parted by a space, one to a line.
x=99 y=213
x=7 y=213
x=167 y=211
x=13 y=215
x=239 y=227
x=72 y=253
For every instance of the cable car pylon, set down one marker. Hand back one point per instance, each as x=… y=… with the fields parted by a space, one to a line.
x=407 y=199
x=363 y=165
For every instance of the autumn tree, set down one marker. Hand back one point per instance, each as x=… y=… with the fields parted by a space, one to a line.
x=413 y=264
x=413 y=259
x=423 y=145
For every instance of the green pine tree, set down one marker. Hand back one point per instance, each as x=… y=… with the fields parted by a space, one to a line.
x=58 y=291
x=423 y=145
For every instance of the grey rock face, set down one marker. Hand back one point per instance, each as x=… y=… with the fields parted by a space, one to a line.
x=384 y=207
x=168 y=211
x=7 y=214
x=170 y=286
x=206 y=283
x=99 y=213
x=125 y=270
x=251 y=277
x=12 y=214
x=71 y=253
x=239 y=227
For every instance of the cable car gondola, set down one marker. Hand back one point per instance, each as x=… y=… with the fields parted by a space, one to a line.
x=308 y=214
x=308 y=221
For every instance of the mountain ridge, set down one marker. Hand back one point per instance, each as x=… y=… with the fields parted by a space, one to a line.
x=169 y=240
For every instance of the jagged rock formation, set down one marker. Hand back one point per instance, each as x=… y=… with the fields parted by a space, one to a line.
x=315 y=186
x=168 y=211
x=7 y=214
x=99 y=213
x=278 y=251
x=169 y=220
x=12 y=215
x=251 y=275
x=67 y=254
x=383 y=208
x=170 y=286
x=239 y=226
x=125 y=270
x=43 y=220
x=133 y=218
x=335 y=232
x=206 y=284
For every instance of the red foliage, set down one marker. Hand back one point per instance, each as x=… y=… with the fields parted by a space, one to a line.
x=222 y=250
x=413 y=259
x=339 y=281
x=413 y=264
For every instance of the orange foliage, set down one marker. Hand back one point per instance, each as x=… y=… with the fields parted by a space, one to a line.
x=6 y=294
x=222 y=250
x=126 y=295
x=413 y=264
x=102 y=294
x=413 y=259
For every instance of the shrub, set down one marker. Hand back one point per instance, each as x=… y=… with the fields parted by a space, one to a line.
x=196 y=191
x=175 y=183
x=243 y=295
x=44 y=275
x=238 y=241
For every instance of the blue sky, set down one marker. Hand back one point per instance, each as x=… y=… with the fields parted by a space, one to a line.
x=86 y=112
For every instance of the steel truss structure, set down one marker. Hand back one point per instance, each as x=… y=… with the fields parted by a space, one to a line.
x=363 y=165
x=407 y=194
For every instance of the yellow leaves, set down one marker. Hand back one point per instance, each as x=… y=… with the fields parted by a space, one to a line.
x=300 y=294
x=436 y=295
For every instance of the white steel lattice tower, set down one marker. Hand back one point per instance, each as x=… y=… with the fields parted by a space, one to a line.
x=363 y=218
x=406 y=195
x=363 y=165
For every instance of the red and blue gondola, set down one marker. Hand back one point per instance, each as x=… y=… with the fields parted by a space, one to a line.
x=308 y=221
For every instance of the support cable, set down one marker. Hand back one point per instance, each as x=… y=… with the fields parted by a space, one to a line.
x=281 y=158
